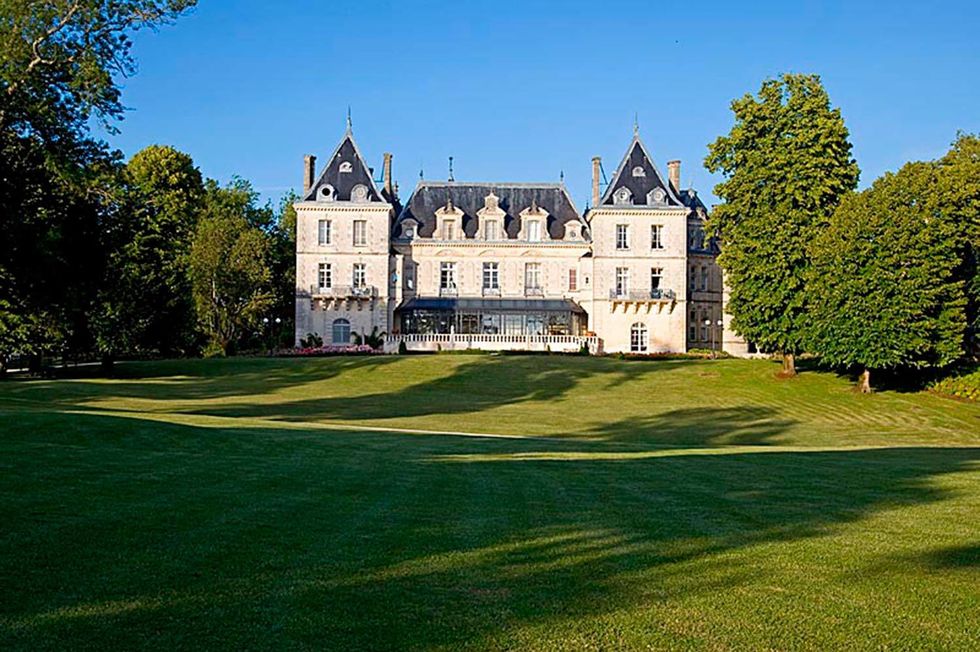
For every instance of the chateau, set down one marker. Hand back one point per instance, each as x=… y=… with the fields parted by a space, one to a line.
x=508 y=265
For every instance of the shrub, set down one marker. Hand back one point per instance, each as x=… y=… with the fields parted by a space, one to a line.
x=311 y=341
x=966 y=387
x=402 y=348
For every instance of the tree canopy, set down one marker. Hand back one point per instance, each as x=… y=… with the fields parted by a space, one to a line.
x=787 y=163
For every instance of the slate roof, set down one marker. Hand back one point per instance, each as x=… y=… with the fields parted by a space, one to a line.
x=430 y=196
x=637 y=156
x=343 y=182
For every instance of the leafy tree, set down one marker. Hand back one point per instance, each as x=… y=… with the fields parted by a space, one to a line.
x=164 y=196
x=959 y=187
x=283 y=265
x=885 y=290
x=787 y=163
x=229 y=265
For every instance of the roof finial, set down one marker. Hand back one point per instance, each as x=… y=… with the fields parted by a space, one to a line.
x=350 y=124
x=451 y=178
x=561 y=176
x=636 y=124
x=421 y=173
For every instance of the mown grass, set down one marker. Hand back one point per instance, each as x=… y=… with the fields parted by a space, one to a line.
x=245 y=504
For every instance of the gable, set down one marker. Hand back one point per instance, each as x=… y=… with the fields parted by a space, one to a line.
x=345 y=171
x=638 y=179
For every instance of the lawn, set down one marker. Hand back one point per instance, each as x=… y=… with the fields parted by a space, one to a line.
x=337 y=504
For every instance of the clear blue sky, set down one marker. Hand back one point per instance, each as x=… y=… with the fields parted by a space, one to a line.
x=520 y=91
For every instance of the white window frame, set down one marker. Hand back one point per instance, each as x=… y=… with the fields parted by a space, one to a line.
x=532 y=276
x=323 y=232
x=447 y=276
x=657 y=236
x=491 y=276
x=572 y=280
x=639 y=338
x=490 y=230
x=534 y=231
x=324 y=276
x=622 y=237
x=359 y=233
x=622 y=281
x=359 y=275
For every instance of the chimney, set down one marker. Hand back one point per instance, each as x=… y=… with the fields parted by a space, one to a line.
x=387 y=175
x=309 y=172
x=674 y=172
x=596 y=163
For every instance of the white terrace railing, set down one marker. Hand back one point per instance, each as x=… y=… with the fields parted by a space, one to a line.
x=492 y=342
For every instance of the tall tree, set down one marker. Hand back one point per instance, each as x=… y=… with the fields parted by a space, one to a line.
x=229 y=261
x=885 y=285
x=60 y=66
x=787 y=163
x=959 y=186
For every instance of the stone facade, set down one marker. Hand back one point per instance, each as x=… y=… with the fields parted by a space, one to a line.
x=497 y=265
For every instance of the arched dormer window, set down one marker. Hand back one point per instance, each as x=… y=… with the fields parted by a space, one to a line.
x=656 y=197
x=326 y=193
x=359 y=193
x=346 y=167
x=622 y=196
x=638 y=171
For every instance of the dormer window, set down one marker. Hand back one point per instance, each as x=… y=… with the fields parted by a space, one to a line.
x=622 y=196
x=657 y=197
x=326 y=193
x=534 y=231
x=449 y=229
x=359 y=193
x=491 y=230
x=346 y=167
x=638 y=171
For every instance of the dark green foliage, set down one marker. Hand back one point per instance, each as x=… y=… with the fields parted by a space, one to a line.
x=884 y=290
x=229 y=265
x=311 y=341
x=375 y=339
x=787 y=163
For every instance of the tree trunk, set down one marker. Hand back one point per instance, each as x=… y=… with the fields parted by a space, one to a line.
x=789 y=365
x=864 y=381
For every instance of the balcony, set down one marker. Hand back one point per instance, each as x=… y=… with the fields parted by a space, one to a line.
x=491 y=292
x=656 y=295
x=344 y=292
x=449 y=291
x=534 y=292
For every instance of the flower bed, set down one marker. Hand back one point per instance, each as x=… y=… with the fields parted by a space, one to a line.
x=329 y=349
x=965 y=387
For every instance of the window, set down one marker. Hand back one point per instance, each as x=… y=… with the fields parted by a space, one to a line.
x=638 y=338
x=360 y=233
x=346 y=167
x=656 y=197
x=324 y=276
x=622 y=196
x=572 y=280
x=409 y=232
x=704 y=326
x=692 y=326
x=638 y=171
x=532 y=276
x=341 y=331
x=694 y=277
x=622 y=281
x=533 y=231
x=447 y=277
x=704 y=277
x=622 y=236
x=449 y=230
x=323 y=232
x=490 y=230
x=360 y=275
x=491 y=276
x=657 y=236
x=656 y=276
x=410 y=276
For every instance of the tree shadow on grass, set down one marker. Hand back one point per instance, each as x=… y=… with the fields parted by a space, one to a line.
x=485 y=382
x=155 y=534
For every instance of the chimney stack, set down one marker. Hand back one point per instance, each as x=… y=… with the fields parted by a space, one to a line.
x=309 y=172
x=596 y=164
x=386 y=172
x=674 y=172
